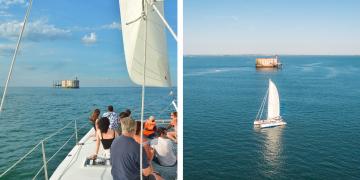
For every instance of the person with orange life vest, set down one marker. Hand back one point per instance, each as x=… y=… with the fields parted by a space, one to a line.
x=150 y=127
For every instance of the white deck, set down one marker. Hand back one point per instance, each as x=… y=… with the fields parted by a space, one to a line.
x=72 y=167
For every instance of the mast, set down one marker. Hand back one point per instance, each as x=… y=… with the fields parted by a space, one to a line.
x=15 y=54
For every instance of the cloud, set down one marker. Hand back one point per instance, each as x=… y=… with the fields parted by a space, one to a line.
x=113 y=25
x=89 y=38
x=4 y=4
x=35 y=31
x=6 y=49
x=5 y=14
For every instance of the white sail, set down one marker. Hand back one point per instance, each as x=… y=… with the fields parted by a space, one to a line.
x=273 y=101
x=135 y=42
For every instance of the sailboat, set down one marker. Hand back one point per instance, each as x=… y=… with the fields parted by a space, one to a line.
x=273 y=109
x=144 y=38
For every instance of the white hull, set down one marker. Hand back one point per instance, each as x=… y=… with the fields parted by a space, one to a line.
x=269 y=123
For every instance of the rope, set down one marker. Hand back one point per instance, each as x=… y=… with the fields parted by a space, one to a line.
x=42 y=167
x=53 y=134
x=22 y=158
x=261 y=106
x=15 y=54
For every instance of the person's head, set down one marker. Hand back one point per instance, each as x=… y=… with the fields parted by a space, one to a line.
x=110 y=108
x=123 y=115
x=173 y=114
x=103 y=124
x=128 y=111
x=128 y=125
x=138 y=127
x=161 y=132
x=152 y=118
x=95 y=114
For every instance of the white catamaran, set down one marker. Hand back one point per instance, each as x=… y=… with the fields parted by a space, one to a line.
x=273 y=110
x=144 y=38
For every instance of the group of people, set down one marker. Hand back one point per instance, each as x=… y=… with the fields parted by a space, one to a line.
x=120 y=136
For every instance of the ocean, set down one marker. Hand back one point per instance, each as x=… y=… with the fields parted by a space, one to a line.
x=320 y=101
x=32 y=113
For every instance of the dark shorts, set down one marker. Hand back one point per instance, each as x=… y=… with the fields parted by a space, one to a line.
x=150 y=177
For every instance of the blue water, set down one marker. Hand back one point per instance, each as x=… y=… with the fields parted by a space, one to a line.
x=320 y=101
x=31 y=114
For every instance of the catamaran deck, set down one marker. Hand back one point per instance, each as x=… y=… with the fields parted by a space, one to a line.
x=73 y=166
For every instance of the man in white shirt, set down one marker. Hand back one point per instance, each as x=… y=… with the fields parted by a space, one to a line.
x=163 y=148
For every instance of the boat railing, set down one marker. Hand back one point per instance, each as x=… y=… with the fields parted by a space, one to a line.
x=43 y=150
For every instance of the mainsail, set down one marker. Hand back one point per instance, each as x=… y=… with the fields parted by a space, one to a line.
x=273 y=101
x=144 y=38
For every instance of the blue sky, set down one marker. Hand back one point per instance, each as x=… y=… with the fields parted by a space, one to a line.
x=329 y=27
x=64 y=39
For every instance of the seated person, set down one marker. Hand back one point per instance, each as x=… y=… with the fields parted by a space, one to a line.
x=125 y=155
x=94 y=118
x=150 y=127
x=149 y=151
x=172 y=135
x=163 y=147
x=105 y=135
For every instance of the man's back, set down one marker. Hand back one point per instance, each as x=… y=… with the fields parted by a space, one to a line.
x=112 y=116
x=164 y=151
x=125 y=158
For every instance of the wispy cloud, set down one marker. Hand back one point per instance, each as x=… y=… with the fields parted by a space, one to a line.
x=6 y=49
x=5 y=4
x=113 y=25
x=4 y=14
x=89 y=38
x=35 y=31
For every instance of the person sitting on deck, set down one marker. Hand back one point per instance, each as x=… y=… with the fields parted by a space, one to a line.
x=105 y=135
x=173 y=134
x=94 y=118
x=164 y=153
x=112 y=116
x=150 y=127
x=149 y=151
x=125 y=155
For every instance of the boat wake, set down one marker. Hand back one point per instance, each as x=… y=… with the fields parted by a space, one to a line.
x=216 y=71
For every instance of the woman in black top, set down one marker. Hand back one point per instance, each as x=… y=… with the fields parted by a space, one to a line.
x=105 y=135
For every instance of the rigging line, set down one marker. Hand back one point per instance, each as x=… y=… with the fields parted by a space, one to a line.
x=263 y=106
x=22 y=158
x=163 y=19
x=143 y=90
x=15 y=54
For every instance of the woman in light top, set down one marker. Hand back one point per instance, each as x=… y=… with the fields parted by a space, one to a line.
x=149 y=151
x=173 y=134
x=105 y=135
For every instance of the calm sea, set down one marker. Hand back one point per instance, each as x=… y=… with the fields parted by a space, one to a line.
x=31 y=114
x=320 y=101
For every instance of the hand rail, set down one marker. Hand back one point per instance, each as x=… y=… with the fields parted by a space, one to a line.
x=43 y=149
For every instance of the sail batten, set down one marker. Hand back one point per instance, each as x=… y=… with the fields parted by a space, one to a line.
x=136 y=41
x=273 y=102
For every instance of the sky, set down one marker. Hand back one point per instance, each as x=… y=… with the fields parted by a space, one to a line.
x=310 y=27
x=67 y=39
